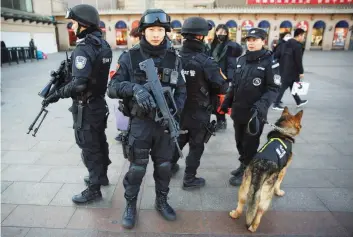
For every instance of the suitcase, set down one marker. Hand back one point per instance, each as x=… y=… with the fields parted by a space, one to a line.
x=122 y=122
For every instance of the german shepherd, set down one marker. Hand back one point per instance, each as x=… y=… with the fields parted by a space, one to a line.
x=264 y=175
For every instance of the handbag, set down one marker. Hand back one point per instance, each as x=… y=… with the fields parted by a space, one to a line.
x=300 y=88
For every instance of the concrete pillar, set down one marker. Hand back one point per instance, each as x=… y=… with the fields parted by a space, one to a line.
x=309 y=35
x=346 y=45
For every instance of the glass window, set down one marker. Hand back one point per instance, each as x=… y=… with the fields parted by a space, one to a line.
x=21 y=5
x=121 y=36
x=6 y=3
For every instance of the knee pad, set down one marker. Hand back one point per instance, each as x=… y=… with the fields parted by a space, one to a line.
x=136 y=174
x=164 y=169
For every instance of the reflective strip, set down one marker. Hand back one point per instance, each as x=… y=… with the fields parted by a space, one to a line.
x=275 y=65
x=271 y=140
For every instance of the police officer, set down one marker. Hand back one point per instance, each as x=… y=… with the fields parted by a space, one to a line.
x=91 y=61
x=253 y=89
x=204 y=79
x=146 y=136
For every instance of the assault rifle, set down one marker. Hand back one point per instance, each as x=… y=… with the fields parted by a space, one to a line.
x=163 y=96
x=58 y=79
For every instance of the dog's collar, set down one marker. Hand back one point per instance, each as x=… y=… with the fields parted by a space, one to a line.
x=281 y=130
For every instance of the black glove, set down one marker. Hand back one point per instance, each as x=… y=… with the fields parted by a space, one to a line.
x=53 y=98
x=143 y=98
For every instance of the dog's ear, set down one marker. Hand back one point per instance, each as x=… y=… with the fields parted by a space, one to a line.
x=285 y=111
x=299 y=115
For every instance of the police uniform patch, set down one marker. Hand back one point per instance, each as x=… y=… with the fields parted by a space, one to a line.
x=277 y=79
x=80 y=62
x=256 y=81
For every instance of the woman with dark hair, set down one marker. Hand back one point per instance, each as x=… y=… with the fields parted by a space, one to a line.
x=225 y=53
x=135 y=36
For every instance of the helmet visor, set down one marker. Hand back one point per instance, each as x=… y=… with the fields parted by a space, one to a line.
x=155 y=17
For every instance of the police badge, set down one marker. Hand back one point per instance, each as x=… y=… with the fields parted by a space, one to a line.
x=80 y=62
x=277 y=79
x=256 y=81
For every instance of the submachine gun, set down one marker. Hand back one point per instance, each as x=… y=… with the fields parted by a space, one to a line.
x=58 y=79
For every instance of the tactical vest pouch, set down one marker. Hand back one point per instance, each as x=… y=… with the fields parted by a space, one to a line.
x=210 y=129
x=166 y=75
x=174 y=78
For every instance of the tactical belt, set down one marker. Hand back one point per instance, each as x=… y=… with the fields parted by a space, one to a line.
x=87 y=98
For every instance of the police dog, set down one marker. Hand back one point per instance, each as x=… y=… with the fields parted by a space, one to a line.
x=263 y=176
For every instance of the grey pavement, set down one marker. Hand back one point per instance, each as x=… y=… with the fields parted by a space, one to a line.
x=40 y=174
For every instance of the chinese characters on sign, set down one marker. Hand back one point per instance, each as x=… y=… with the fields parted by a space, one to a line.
x=300 y=2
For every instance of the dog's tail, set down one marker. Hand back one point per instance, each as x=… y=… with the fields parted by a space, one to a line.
x=260 y=171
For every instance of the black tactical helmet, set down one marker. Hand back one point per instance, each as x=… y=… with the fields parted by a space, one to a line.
x=154 y=17
x=86 y=15
x=196 y=26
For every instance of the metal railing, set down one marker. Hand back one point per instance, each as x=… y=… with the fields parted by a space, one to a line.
x=17 y=54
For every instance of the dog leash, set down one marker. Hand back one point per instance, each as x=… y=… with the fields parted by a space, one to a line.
x=257 y=125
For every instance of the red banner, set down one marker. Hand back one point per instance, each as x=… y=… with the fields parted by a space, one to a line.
x=313 y=2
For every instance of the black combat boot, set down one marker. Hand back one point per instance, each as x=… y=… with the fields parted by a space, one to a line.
x=175 y=168
x=239 y=170
x=91 y=193
x=191 y=182
x=129 y=216
x=163 y=207
x=237 y=180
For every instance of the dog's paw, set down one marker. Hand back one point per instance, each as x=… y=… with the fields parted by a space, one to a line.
x=280 y=193
x=252 y=229
x=234 y=214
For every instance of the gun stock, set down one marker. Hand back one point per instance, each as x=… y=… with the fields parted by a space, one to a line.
x=160 y=94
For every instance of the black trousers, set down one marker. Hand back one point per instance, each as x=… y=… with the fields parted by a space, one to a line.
x=247 y=144
x=220 y=117
x=91 y=138
x=283 y=88
x=195 y=138
x=146 y=137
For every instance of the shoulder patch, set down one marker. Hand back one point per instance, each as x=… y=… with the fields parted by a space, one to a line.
x=80 y=62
